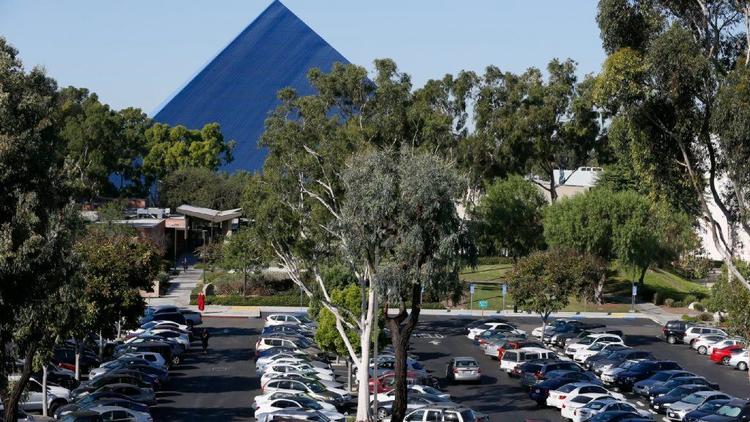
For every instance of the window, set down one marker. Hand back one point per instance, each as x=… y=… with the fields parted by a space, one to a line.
x=283 y=404
x=434 y=416
x=415 y=416
x=34 y=386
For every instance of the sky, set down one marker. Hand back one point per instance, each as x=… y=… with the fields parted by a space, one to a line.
x=139 y=52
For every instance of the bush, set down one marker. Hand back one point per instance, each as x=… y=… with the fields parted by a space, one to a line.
x=658 y=300
x=706 y=316
x=689 y=299
x=678 y=304
x=699 y=307
x=494 y=260
x=669 y=302
x=286 y=299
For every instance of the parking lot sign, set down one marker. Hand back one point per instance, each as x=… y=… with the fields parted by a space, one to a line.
x=483 y=304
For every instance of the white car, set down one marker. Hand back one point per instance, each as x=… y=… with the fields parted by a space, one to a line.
x=418 y=389
x=170 y=335
x=558 y=397
x=512 y=358
x=327 y=383
x=161 y=323
x=499 y=326
x=582 y=354
x=299 y=402
x=571 y=404
x=591 y=340
x=116 y=413
x=281 y=367
x=696 y=331
x=739 y=361
x=678 y=410
x=279 y=319
x=264 y=399
x=56 y=396
x=294 y=358
x=265 y=343
x=154 y=358
x=701 y=343
x=315 y=390
x=725 y=343
x=604 y=404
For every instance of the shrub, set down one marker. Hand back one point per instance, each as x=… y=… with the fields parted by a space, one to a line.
x=658 y=300
x=287 y=299
x=678 y=304
x=706 y=316
x=699 y=307
x=669 y=302
x=494 y=260
x=689 y=299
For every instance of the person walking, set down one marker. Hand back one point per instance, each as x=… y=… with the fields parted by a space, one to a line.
x=204 y=340
x=184 y=263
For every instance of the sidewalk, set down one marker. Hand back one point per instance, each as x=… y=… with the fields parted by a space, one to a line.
x=180 y=288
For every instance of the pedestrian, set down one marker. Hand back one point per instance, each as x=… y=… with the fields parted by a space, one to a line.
x=204 y=340
x=184 y=263
x=201 y=301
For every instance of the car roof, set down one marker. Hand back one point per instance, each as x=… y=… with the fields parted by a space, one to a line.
x=533 y=349
x=464 y=358
x=109 y=408
x=707 y=393
x=597 y=335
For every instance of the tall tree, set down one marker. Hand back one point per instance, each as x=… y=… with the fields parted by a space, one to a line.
x=296 y=206
x=673 y=84
x=241 y=253
x=202 y=187
x=509 y=217
x=533 y=125
x=35 y=224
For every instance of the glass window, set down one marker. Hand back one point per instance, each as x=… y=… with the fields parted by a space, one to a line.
x=415 y=416
x=434 y=416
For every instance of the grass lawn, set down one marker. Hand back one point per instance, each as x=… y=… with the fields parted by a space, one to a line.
x=485 y=273
x=665 y=282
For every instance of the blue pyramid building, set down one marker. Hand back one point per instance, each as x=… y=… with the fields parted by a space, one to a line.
x=238 y=87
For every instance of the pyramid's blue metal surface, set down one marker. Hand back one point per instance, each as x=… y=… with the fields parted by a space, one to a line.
x=238 y=87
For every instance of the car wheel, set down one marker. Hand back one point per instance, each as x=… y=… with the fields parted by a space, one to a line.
x=725 y=360
x=55 y=405
x=672 y=340
x=382 y=413
x=702 y=350
x=176 y=360
x=742 y=366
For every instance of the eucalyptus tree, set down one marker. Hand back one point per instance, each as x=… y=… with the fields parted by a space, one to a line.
x=529 y=124
x=675 y=84
x=296 y=206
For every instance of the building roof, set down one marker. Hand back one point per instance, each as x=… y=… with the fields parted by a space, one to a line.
x=208 y=214
x=139 y=223
x=238 y=87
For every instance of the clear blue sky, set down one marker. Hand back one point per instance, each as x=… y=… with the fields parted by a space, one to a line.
x=138 y=52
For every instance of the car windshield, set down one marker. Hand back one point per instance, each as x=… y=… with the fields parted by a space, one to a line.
x=310 y=404
x=466 y=363
x=316 y=387
x=640 y=366
x=712 y=405
x=727 y=410
x=581 y=399
x=597 y=404
x=693 y=399
x=660 y=376
x=303 y=319
x=429 y=390
x=587 y=340
x=679 y=391
x=628 y=364
x=567 y=388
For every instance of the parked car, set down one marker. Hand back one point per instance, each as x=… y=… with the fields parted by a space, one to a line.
x=263 y=363
x=298 y=402
x=734 y=410
x=305 y=346
x=413 y=401
x=739 y=361
x=618 y=416
x=58 y=376
x=642 y=370
x=445 y=412
x=687 y=404
x=589 y=340
x=305 y=377
x=313 y=389
x=192 y=318
x=463 y=369
x=706 y=409
x=564 y=340
x=552 y=327
x=121 y=414
x=556 y=398
x=724 y=355
x=540 y=391
x=300 y=367
x=133 y=392
x=108 y=379
x=658 y=379
x=301 y=320
x=414 y=388
x=663 y=402
x=534 y=372
x=33 y=400
x=387 y=382
x=287 y=415
x=119 y=402
x=695 y=331
x=726 y=343
x=702 y=343
x=82 y=416
x=617 y=358
x=494 y=326
x=602 y=405
x=581 y=355
x=674 y=331
x=677 y=382
x=516 y=343
x=165 y=316
x=166 y=350
x=286 y=328
x=264 y=399
x=513 y=358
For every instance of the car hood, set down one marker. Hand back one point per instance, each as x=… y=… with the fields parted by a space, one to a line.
x=59 y=392
x=682 y=406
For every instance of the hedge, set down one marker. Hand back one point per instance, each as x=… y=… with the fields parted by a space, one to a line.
x=234 y=300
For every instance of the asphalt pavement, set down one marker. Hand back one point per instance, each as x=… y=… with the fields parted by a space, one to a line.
x=220 y=386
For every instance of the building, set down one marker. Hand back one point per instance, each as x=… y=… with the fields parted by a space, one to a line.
x=238 y=87
x=570 y=182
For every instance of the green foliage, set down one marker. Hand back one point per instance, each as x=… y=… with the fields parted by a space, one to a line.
x=281 y=299
x=543 y=281
x=338 y=276
x=731 y=298
x=693 y=265
x=510 y=217
x=669 y=302
x=172 y=148
x=326 y=336
x=202 y=187
x=627 y=24
x=241 y=253
x=622 y=225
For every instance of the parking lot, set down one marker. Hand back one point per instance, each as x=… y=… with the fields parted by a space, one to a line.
x=220 y=386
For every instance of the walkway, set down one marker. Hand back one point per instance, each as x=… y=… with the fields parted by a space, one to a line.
x=180 y=288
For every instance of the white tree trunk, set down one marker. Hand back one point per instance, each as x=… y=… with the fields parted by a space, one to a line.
x=363 y=375
x=45 y=400
x=78 y=363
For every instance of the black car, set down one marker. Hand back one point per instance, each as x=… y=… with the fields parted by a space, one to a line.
x=165 y=316
x=662 y=402
x=103 y=380
x=536 y=371
x=65 y=357
x=570 y=333
x=617 y=358
x=286 y=328
x=615 y=416
x=676 y=382
x=643 y=387
x=604 y=354
x=735 y=410
x=706 y=409
x=58 y=376
x=164 y=349
x=82 y=416
x=642 y=370
x=674 y=331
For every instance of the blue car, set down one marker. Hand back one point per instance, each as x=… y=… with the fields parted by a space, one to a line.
x=706 y=409
x=658 y=379
x=662 y=403
x=640 y=371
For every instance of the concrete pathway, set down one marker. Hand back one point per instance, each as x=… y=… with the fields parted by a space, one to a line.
x=180 y=288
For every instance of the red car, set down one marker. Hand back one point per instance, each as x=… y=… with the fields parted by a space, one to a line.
x=386 y=382
x=517 y=344
x=724 y=354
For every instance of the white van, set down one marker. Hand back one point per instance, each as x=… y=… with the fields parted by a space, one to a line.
x=513 y=358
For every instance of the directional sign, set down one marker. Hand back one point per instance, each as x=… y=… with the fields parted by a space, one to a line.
x=471 y=288
x=483 y=304
x=635 y=290
x=505 y=289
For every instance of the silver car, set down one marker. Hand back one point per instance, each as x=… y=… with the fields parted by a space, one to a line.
x=463 y=369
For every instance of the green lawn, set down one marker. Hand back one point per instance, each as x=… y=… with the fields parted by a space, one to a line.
x=665 y=282
x=485 y=273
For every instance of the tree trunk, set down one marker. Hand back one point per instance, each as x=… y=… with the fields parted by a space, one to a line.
x=244 y=285
x=599 y=291
x=363 y=376
x=552 y=188
x=11 y=402
x=400 y=336
x=78 y=362
x=45 y=400
x=643 y=275
x=544 y=326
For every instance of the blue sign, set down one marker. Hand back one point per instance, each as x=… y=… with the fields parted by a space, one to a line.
x=483 y=304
